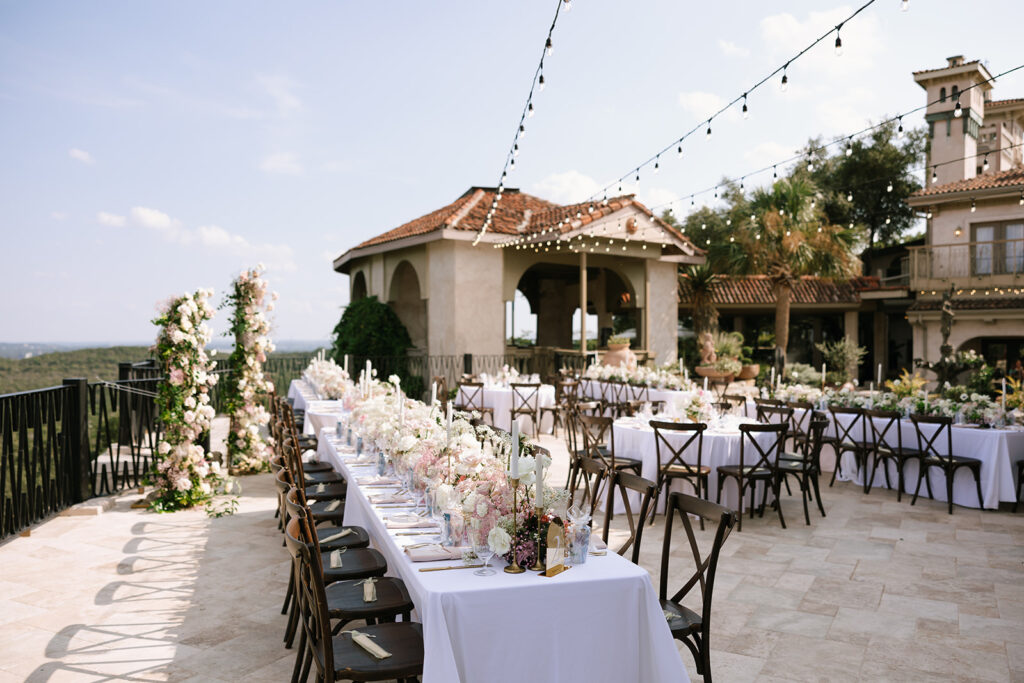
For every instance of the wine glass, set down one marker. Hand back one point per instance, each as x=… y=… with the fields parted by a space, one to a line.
x=484 y=552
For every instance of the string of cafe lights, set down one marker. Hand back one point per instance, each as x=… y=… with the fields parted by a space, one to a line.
x=538 y=241
x=536 y=86
x=706 y=125
x=847 y=140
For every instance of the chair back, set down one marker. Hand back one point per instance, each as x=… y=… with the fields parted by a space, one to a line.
x=801 y=418
x=598 y=431
x=884 y=424
x=567 y=391
x=706 y=565
x=774 y=414
x=738 y=401
x=639 y=392
x=442 y=390
x=592 y=474
x=848 y=428
x=525 y=399
x=932 y=445
x=723 y=407
x=623 y=483
x=471 y=395
x=312 y=602
x=753 y=453
x=815 y=440
x=669 y=454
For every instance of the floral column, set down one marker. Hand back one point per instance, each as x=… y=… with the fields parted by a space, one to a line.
x=181 y=472
x=247 y=449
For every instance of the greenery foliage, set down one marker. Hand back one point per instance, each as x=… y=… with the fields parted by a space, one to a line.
x=842 y=358
x=370 y=329
x=50 y=369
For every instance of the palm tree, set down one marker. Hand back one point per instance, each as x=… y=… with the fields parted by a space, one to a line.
x=698 y=285
x=789 y=238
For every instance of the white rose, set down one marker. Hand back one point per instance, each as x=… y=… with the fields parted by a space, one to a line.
x=499 y=541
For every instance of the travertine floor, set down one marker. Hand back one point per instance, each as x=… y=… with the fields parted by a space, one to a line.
x=878 y=590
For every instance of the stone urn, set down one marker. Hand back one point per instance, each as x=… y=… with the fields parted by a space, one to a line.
x=619 y=355
x=749 y=371
x=714 y=375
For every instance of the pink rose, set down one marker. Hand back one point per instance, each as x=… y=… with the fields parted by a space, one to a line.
x=177 y=376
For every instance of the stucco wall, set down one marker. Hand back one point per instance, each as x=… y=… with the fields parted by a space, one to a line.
x=663 y=311
x=968 y=325
x=951 y=216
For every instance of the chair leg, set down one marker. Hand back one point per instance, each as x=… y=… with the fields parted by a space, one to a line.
x=921 y=474
x=950 y=476
x=977 y=482
x=300 y=656
x=869 y=472
x=805 y=493
x=928 y=483
x=777 y=489
x=289 y=592
x=817 y=494
x=838 y=468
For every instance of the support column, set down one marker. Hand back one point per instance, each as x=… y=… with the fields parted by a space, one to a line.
x=583 y=306
x=647 y=309
x=850 y=321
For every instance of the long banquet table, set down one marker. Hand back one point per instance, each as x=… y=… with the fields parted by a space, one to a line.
x=600 y=621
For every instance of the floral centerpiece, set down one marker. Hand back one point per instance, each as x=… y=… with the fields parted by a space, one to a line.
x=181 y=472
x=328 y=378
x=248 y=450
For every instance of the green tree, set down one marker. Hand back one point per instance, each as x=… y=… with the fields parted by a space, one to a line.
x=782 y=233
x=369 y=328
x=697 y=285
x=869 y=186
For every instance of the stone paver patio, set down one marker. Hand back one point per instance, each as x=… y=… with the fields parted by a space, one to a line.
x=878 y=590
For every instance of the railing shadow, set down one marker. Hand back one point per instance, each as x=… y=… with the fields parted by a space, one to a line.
x=192 y=597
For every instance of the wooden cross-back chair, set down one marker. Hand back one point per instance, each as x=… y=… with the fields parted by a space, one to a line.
x=805 y=467
x=591 y=474
x=849 y=437
x=471 y=398
x=757 y=464
x=686 y=625
x=672 y=465
x=623 y=483
x=885 y=428
x=937 y=453
x=525 y=402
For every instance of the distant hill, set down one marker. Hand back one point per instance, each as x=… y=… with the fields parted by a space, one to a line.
x=49 y=369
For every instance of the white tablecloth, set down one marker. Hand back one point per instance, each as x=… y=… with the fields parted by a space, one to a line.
x=997 y=449
x=596 y=389
x=600 y=621
x=500 y=399
x=634 y=438
x=301 y=392
x=321 y=415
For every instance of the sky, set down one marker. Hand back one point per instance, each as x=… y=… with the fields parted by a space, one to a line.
x=148 y=149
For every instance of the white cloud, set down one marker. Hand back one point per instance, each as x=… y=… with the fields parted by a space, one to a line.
x=150 y=218
x=58 y=215
x=279 y=88
x=567 y=187
x=767 y=153
x=657 y=198
x=861 y=42
x=282 y=162
x=81 y=155
x=703 y=104
x=731 y=49
x=113 y=220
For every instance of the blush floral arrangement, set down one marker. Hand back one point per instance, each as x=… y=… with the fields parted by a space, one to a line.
x=250 y=301
x=182 y=473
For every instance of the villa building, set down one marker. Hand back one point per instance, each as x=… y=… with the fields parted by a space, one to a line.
x=974 y=207
x=612 y=257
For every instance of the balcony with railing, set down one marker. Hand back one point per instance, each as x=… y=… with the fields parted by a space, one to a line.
x=995 y=263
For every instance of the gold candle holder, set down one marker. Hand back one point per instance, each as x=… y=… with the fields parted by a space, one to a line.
x=538 y=562
x=514 y=568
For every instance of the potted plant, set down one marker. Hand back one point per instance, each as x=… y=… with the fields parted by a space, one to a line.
x=618 y=353
x=720 y=356
x=750 y=369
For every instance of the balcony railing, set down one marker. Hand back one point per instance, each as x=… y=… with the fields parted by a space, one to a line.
x=998 y=263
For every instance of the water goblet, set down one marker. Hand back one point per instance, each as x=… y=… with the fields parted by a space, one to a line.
x=484 y=552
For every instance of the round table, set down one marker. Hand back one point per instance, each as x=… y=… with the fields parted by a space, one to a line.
x=499 y=398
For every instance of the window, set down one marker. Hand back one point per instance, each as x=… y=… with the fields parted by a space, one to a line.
x=956 y=92
x=998 y=249
x=942 y=94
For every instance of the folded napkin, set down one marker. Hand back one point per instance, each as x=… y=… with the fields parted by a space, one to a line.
x=332 y=506
x=363 y=641
x=597 y=543
x=434 y=553
x=335 y=537
x=419 y=524
x=346 y=450
x=336 y=559
x=364 y=459
x=378 y=480
x=390 y=498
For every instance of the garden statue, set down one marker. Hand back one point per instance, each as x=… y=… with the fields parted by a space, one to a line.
x=707 y=349
x=946 y=322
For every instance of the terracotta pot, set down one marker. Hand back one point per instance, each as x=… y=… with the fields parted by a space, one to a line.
x=712 y=374
x=749 y=371
x=619 y=355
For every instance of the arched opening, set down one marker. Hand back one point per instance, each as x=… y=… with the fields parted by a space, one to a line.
x=404 y=298
x=1002 y=352
x=553 y=293
x=358 y=286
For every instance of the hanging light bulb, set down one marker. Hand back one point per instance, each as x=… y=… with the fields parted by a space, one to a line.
x=849 y=196
x=691 y=199
x=656 y=164
x=935 y=174
x=899 y=130
x=984 y=165
x=540 y=83
x=1021 y=202
x=512 y=165
x=746 y=112
x=958 y=111
x=905 y=5
x=849 y=147
x=814 y=202
x=549 y=46
x=568 y=5
x=708 y=133
x=974 y=205
x=716 y=192
x=529 y=109
x=810 y=164
x=775 y=173
x=784 y=84
x=522 y=131
x=928 y=215
x=888 y=188
x=741 y=184
x=679 y=151
x=839 y=41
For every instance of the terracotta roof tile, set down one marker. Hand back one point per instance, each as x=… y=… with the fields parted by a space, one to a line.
x=757 y=290
x=517 y=213
x=976 y=303
x=995 y=104
x=1011 y=178
x=943 y=68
